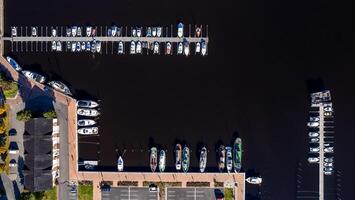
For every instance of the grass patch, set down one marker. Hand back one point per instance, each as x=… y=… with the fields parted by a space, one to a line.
x=5 y=142
x=50 y=194
x=45 y=195
x=9 y=87
x=85 y=191
x=228 y=194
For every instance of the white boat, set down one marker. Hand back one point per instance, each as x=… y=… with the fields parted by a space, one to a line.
x=168 y=48
x=54 y=46
x=156 y=48
x=59 y=86
x=59 y=46
x=86 y=122
x=180 y=48
x=153 y=158
x=13 y=63
x=186 y=48
x=98 y=47
x=54 y=32
x=114 y=30
x=13 y=31
x=180 y=32
x=133 y=47
x=88 y=112
x=73 y=46
x=198 y=47
x=159 y=31
x=254 y=180
x=162 y=160
x=203 y=48
x=120 y=48
x=109 y=32
x=34 y=76
x=154 y=31
x=34 y=31
x=120 y=164
x=68 y=31
x=88 y=31
x=74 y=30
x=88 y=131
x=203 y=159
x=139 y=32
x=86 y=104
x=139 y=47
x=83 y=46
x=229 y=159
x=134 y=32
x=79 y=31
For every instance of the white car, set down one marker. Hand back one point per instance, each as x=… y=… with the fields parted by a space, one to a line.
x=13 y=163
x=313 y=124
x=328 y=109
x=314 y=149
x=329 y=150
x=313 y=134
x=313 y=159
x=313 y=119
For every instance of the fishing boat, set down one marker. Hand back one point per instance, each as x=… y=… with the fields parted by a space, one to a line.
x=59 y=46
x=73 y=46
x=198 y=47
x=198 y=31
x=98 y=47
x=180 y=32
x=139 y=47
x=34 y=76
x=221 y=158
x=88 y=46
x=79 y=31
x=203 y=159
x=149 y=32
x=54 y=46
x=180 y=48
x=14 y=31
x=203 y=48
x=153 y=158
x=68 y=31
x=86 y=122
x=88 y=31
x=134 y=32
x=186 y=48
x=74 y=30
x=83 y=46
x=154 y=31
x=254 y=180
x=13 y=63
x=237 y=155
x=54 y=32
x=120 y=164
x=185 y=159
x=78 y=46
x=159 y=31
x=86 y=104
x=109 y=32
x=59 y=86
x=162 y=160
x=133 y=47
x=120 y=47
x=88 y=131
x=156 y=48
x=34 y=31
x=229 y=159
x=178 y=157
x=168 y=48
x=88 y=112
x=114 y=31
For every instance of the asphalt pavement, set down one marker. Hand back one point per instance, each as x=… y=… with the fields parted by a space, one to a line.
x=130 y=193
x=192 y=193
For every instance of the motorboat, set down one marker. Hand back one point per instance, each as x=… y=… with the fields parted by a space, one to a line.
x=59 y=86
x=83 y=46
x=329 y=150
x=180 y=32
x=168 y=48
x=237 y=155
x=88 y=112
x=88 y=46
x=328 y=109
x=314 y=140
x=329 y=159
x=313 y=119
x=93 y=46
x=178 y=154
x=156 y=48
x=203 y=48
x=221 y=158
x=162 y=160
x=73 y=46
x=313 y=124
x=159 y=31
x=313 y=134
x=149 y=32
x=14 y=31
x=120 y=47
x=198 y=47
x=54 y=46
x=74 y=30
x=109 y=32
x=68 y=31
x=133 y=47
x=154 y=31
x=254 y=180
x=180 y=47
x=134 y=32
x=98 y=47
x=198 y=31
x=120 y=164
x=88 y=131
x=186 y=48
x=86 y=122
x=34 y=76
x=203 y=159
x=314 y=149
x=78 y=46
x=88 y=31
x=34 y=31
x=54 y=32
x=328 y=164
x=79 y=31
x=139 y=32
x=68 y=45
x=93 y=32
x=185 y=159
x=118 y=32
x=153 y=158
x=229 y=159
x=86 y=104
x=13 y=63
x=313 y=159
x=139 y=47
x=59 y=46
x=114 y=31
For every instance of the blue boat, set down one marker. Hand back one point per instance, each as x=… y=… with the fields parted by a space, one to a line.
x=88 y=46
x=180 y=32
x=13 y=63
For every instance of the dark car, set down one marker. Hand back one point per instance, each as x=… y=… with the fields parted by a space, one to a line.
x=105 y=188
x=218 y=194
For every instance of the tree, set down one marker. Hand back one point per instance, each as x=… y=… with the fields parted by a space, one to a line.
x=24 y=115
x=51 y=114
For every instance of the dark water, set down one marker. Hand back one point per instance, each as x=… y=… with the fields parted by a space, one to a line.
x=252 y=84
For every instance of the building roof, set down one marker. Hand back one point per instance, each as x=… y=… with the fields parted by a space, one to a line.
x=38 y=154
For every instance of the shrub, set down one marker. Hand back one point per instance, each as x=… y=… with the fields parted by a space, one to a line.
x=10 y=88
x=50 y=114
x=24 y=115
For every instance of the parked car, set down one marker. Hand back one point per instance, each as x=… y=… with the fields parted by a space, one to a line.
x=13 y=163
x=313 y=124
x=153 y=188
x=105 y=188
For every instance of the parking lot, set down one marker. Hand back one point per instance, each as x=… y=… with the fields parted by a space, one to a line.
x=192 y=193
x=129 y=193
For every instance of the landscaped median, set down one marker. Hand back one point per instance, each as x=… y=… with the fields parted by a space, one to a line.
x=85 y=190
x=9 y=87
x=4 y=138
x=45 y=195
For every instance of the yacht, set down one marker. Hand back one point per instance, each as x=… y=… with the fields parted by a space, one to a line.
x=83 y=46
x=86 y=122
x=88 y=131
x=74 y=30
x=221 y=158
x=78 y=46
x=79 y=32
x=13 y=63
x=88 y=46
x=149 y=32
x=254 y=180
x=186 y=48
x=34 y=76
x=59 y=86
x=154 y=31
x=153 y=158
x=120 y=164
x=86 y=104
x=180 y=32
x=168 y=48
x=185 y=159
x=198 y=47
x=178 y=157
x=139 y=47
x=162 y=160
x=109 y=32
x=159 y=31
x=98 y=47
x=73 y=46
x=120 y=47
x=229 y=159
x=198 y=31
x=134 y=32
x=54 y=32
x=180 y=47
x=68 y=31
x=88 y=112
x=59 y=46
x=139 y=32
x=156 y=48
x=34 y=31
x=88 y=31
x=203 y=159
x=13 y=31
x=203 y=47
x=133 y=47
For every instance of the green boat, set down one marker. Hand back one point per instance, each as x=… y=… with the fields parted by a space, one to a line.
x=186 y=159
x=237 y=155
